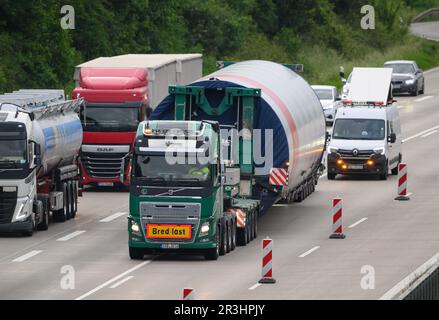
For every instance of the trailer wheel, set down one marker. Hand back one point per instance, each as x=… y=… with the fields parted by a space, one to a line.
x=249 y=227
x=62 y=215
x=233 y=234
x=75 y=198
x=72 y=212
x=136 y=253
x=241 y=236
x=255 y=228
x=224 y=236
x=213 y=254
x=229 y=235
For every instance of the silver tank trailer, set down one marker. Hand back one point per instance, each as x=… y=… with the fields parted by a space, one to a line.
x=60 y=138
x=296 y=106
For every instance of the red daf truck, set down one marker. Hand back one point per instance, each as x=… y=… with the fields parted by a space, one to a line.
x=119 y=93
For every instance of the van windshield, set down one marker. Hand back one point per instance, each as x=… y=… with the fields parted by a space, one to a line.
x=359 y=129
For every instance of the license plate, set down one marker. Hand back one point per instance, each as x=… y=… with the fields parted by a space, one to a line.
x=170 y=246
x=105 y=184
x=396 y=86
x=356 y=166
x=168 y=231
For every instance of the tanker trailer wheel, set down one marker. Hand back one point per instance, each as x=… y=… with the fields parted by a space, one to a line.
x=75 y=197
x=71 y=189
x=61 y=215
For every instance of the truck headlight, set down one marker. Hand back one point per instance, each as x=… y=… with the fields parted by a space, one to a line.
x=379 y=150
x=135 y=227
x=410 y=81
x=21 y=212
x=205 y=227
x=345 y=90
x=332 y=150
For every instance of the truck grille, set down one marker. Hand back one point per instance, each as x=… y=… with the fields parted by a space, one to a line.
x=170 y=213
x=362 y=154
x=104 y=165
x=8 y=201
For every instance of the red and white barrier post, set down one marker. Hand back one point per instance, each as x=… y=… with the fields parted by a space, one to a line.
x=188 y=294
x=337 y=222
x=267 y=258
x=402 y=182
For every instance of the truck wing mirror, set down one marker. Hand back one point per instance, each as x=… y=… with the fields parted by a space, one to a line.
x=328 y=136
x=392 y=138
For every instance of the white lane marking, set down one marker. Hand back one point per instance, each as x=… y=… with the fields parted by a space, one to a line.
x=117 y=284
x=423 y=99
x=357 y=223
x=429 y=134
x=431 y=70
x=420 y=134
x=411 y=279
x=113 y=216
x=253 y=287
x=400 y=107
x=71 y=235
x=409 y=194
x=27 y=256
x=303 y=255
x=140 y=265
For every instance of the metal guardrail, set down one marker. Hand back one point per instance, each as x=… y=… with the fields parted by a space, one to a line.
x=425 y=14
x=427 y=289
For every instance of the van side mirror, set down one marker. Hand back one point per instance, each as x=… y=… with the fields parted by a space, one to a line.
x=392 y=138
x=328 y=136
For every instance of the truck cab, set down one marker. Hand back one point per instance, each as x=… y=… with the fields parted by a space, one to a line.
x=366 y=136
x=115 y=103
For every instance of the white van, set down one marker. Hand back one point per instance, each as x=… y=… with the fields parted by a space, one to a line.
x=366 y=136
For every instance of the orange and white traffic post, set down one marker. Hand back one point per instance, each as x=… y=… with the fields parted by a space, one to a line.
x=337 y=222
x=402 y=183
x=267 y=261
x=188 y=294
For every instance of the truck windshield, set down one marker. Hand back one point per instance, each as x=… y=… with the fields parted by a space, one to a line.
x=324 y=94
x=359 y=129
x=12 y=151
x=401 y=68
x=157 y=169
x=114 y=118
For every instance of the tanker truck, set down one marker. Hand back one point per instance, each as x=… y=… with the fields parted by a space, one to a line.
x=219 y=153
x=40 y=137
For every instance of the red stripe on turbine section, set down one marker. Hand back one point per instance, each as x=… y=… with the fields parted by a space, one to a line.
x=283 y=109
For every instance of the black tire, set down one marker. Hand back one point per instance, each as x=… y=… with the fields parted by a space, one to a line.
x=255 y=224
x=233 y=234
x=385 y=174
x=415 y=92
x=423 y=88
x=74 y=198
x=136 y=253
x=61 y=215
x=223 y=239
x=229 y=236
x=299 y=195
x=44 y=224
x=213 y=254
x=241 y=236
x=331 y=176
x=71 y=200
x=248 y=227
x=395 y=170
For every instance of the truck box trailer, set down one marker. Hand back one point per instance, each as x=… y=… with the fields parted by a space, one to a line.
x=260 y=131
x=120 y=92
x=40 y=138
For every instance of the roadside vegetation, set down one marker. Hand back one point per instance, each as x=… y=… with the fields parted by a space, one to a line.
x=321 y=34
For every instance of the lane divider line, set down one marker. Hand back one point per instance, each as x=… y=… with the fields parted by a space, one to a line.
x=423 y=99
x=114 y=216
x=27 y=256
x=357 y=223
x=429 y=134
x=121 y=282
x=303 y=255
x=420 y=134
x=71 y=235
x=100 y=287
x=253 y=287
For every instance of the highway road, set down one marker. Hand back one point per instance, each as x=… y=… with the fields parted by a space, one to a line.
x=428 y=30
x=394 y=238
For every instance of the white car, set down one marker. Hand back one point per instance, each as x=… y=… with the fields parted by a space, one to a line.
x=329 y=99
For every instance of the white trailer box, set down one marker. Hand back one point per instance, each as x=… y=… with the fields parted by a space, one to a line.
x=370 y=85
x=163 y=70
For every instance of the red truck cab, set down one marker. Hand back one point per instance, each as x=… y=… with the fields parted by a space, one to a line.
x=115 y=102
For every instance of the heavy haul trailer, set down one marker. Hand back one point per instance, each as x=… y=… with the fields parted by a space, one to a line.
x=210 y=216
x=40 y=137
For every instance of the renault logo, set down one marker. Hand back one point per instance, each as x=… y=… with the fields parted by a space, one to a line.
x=355 y=152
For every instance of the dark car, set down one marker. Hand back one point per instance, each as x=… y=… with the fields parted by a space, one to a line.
x=406 y=77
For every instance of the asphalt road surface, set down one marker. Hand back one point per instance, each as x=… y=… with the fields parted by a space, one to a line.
x=428 y=30
x=386 y=237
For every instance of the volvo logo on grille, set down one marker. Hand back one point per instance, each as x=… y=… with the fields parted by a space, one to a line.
x=355 y=152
